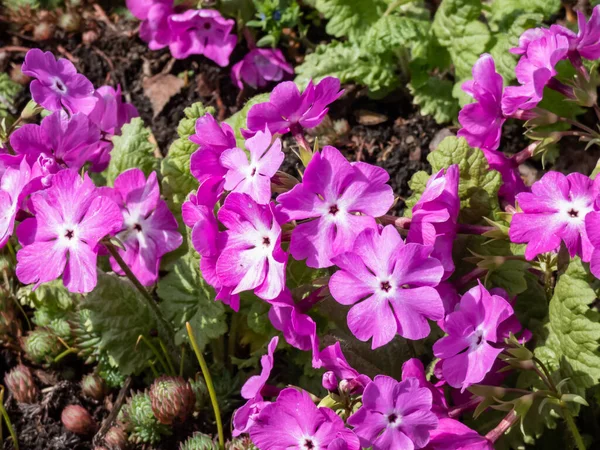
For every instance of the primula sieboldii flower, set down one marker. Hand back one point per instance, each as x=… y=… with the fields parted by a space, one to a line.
x=341 y=199
x=149 y=228
x=68 y=140
x=451 y=434
x=155 y=28
x=245 y=416
x=435 y=216
x=294 y=422
x=394 y=415
x=252 y=258
x=14 y=178
x=338 y=369
x=57 y=84
x=585 y=43
x=70 y=219
x=592 y=227
x=413 y=368
x=202 y=32
x=254 y=177
x=391 y=285
x=289 y=110
x=259 y=67
x=534 y=70
x=555 y=211
x=482 y=121
x=141 y=8
x=197 y=213
x=110 y=113
x=476 y=332
x=528 y=36
x=512 y=183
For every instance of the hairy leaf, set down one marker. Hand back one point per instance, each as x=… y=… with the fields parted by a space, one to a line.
x=132 y=149
x=504 y=12
x=392 y=32
x=8 y=94
x=434 y=97
x=510 y=276
x=350 y=17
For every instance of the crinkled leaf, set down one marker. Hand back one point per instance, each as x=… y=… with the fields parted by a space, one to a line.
x=350 y=17
x=434 y=98
x=132 y=149
x=505 y=12
x=391 y=32
x=510 y=276
x=119 y=316
x=8 y=94
x=187 y=298
x=531 y=306
x=187 y=125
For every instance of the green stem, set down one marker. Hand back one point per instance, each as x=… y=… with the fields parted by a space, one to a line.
x=182 y=360
x=11 y=250
x=549 y=382
x=153 y=369
x=7 y=420
x=572 y=427
x=209 y=384
x=169 y=362
x=67 y=352
x=154 y=350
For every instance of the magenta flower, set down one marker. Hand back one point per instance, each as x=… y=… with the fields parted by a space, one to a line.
x=454 y=435
x=209 y=242
x=141 y=8
x=202 y=32
x=435 y=216
x=529 y=36
x=13 y=180
x=68 y=140
x=467 y=352
x=155 y=28
x=592 y=227
x=333 y=360
x=259 y=67
x=294 y=422
x=57 y=83
x=512 y=183
x=341 y=199
x=555 y=210
x=62 y=238
x=245 y=417
x=394 y=415
x=254 y=177
x=482 y=121
x=149 y=228
x=534 y=71
x=413 y=368
x=252 y=258
x=391 y=285
x=287 y=109
x=110 y=113
x=586 y=43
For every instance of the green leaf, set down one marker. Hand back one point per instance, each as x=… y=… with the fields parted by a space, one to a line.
x=350 y=17
x=351 y=63
x=298 y=273
x=434 y=98
x=132 y=149
x=119 y=316
x=505 y=12
x=510 y=276
x=531 y=306
x=238 y=120
x=573 y=330
x=391 y=32
x=417 y=185
x=187 y=298
x=8 y=94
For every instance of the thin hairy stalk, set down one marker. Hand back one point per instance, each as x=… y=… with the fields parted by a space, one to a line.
x=209 y=384
x=7 y=421
x=457 y=411
x=572 y=426
x=67 y=352
x=182 y=360
x=154 y=350
x=579 y=125
x=508 y=421
x=525 y=154
x=166 y=353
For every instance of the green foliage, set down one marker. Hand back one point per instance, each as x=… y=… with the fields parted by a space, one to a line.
x=42 y=345
x=8 y=94
x=139 y=421
x=132 y=148
x=199 y=441
x=433 y=96
x=187 y=298
x=272 y=17
x=52 y=297
x=350 y=17
x=120 y=316
x=504 y=12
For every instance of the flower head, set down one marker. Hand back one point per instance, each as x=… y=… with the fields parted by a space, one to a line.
x=57 y=83
x=149 y=228
x=254 y=177
x=13 y=181
x=482 y=121
x=294 y=422
x=413 y=368
x=394 y=415
x=333 y=360
x=259 y=67
x=512 y=183
x=391 y=285
x=287 y=109
x=155 y=28
x=70 y=219
x=451 y=434
x=555 y=211
x=340 y=200
x=141 y=8
x=252 y=258
x=435 y=215
x=110 y=113
x=475 y=334
x=586 y=42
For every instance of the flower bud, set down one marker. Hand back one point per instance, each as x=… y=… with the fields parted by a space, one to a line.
x=199 y=441
x=172 y=399
x=116 y=438
x=77 y=419
x=282 y=182
x=93 y=386
x=20 y=383
x=31 y=110
x=330 y=381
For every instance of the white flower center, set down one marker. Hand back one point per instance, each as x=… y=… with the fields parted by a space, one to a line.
x=394 y=420
x=574 y=211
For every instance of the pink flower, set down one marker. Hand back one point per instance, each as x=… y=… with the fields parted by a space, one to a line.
x=70 y=219
x=245 y=417
x=454 y=435
x=435 y=216
x=340 y=199
x=555 y=211
x=70 y=141
x=333 y=360
x=110 y=113
x=294 y=422
x=534 y=71
x=413 y=368
x=155 y=28
x=394 y=415
x=259 y=67
x=253 y=178
x=13 y=180
x=287 y=109
x=149 y=228
x=57 y=83
x=252 y=258
x=529 y=36
x=512 y=183
x=391 y=285
x=482 y=121
x=586 y=43
x=141 y=8
x=209 y=242
x=474 y=340
x=202 y=32
x=592 y=228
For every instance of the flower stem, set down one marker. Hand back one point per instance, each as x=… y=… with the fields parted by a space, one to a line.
x=572 y=427
x=67 y=352
x=7 y=420
x=457 y=411
x=522 y=156
x=577 y=124
x=508 y=421
x=209 y=384
x=154 y=350
x=166 y=353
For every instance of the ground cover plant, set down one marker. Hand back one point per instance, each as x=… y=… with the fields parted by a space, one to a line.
x=274 y=224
